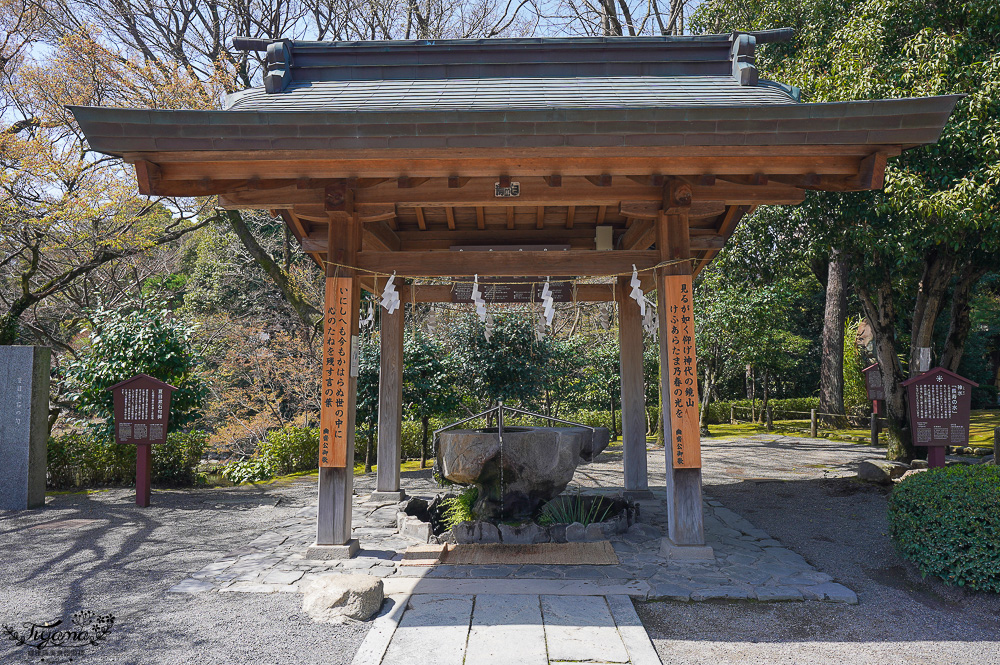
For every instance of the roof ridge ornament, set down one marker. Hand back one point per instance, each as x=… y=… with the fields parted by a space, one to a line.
x=279 y=66
x=743 y=57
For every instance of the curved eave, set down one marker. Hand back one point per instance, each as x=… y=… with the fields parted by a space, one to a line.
x=896 y=122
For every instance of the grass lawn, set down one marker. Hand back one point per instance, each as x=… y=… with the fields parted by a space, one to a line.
x=980 y=429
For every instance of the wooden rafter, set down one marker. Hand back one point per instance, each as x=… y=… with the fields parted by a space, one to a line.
x=421 y=222
x=506 y=263
x=510 y=217
x=450 y=214
x=539 y=217
x=480 y=218
x=570 y=216
x=602 y=212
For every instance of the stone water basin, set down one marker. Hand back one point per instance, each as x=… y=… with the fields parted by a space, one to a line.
x=535 y=464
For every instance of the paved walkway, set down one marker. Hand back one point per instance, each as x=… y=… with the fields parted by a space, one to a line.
x=748 y=563
x=507 y=629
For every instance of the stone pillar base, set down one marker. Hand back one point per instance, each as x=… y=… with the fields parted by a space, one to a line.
x=674 y=552
x=638 y=495
x=378 y=497
x=328 y=552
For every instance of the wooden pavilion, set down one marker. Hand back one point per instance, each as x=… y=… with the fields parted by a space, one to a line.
x=618 y=151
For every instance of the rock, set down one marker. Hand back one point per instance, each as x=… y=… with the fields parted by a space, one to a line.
x=523 y=534
x=416 y=529
x=476 y=532
x=596 y=444
x=342 y=598
x=557 y=533
x=918 y=464
x=576 y=533
x=777 y=593
x=982 y=452
x=911 y=472
x=830 y=592
x=537 y=465
x=956 y=459
x=881 y=471
x=593 y=532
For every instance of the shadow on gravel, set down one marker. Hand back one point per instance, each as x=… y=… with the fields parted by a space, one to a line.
x=839 y=525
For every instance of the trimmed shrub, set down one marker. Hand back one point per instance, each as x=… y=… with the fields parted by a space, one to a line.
x=793 y=408
x=287 y=450
x=82 y=459
x=946 y=521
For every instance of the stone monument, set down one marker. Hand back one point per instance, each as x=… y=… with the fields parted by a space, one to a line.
x=24 y=432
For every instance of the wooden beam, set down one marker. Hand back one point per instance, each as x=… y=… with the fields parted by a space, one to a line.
x=510 y=217
x=640 y=235
x=651 y=209
x=752 y=180
x=480 y=218
x=421 y=222
x=506 y=263
x=570 y=216
x=481 y=192
x=381 y=236
x=553 y=180
x=455 y=182
x=390 y=401
x=602 y=212
x=603 y=180
x=450 y=214
x=539 y=217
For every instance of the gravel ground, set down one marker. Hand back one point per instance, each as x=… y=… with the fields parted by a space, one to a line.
x=123 y=562
x=799 y=490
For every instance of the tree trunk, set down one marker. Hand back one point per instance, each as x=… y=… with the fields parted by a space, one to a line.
x=960 y=321
x=424 y=422
x=660 y=441
x=706 y=395
x=881 y=314
x=938 y=269
x=831 y=372
x=368 y=448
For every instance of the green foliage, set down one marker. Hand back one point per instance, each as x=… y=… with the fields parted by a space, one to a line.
x=856 y=401
x=84 y=459
x=428 y=379
x=122 y=344
x=946 y=521
x=459 y=509
x=510 y=366
x=283 y=451
x=794 y=408
x=571 y=508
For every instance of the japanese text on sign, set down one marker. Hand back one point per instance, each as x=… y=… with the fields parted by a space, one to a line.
x=685 y=434
x=336 y=408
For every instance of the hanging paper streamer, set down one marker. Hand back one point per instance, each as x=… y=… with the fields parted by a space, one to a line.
x=636 y=293
x=390 y=297
x=605 y=318
x=649 y=319
x=369 y=319
x=548 y=308
x=540 y=328
x=477 y=298
x=488 y=331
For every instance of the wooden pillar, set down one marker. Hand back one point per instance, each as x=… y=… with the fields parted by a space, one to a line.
x=339 y=382
x=633 y=393
x=678 y=381
x=390 y=405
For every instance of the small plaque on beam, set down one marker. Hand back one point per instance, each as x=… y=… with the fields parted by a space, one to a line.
x=337 y=372
x=685 y=433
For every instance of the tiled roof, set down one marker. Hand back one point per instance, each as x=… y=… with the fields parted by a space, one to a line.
x=510 y=93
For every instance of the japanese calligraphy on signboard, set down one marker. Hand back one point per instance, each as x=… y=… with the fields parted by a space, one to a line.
x=339 y=365
x=873 y=382
x=940 y=404
x=685 y=433
x=142 y=410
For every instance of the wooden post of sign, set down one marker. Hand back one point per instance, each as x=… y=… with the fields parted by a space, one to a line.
x=143 y=474
x=390 y=406
x=679 y=381
x=339 y=380
x=633 y=393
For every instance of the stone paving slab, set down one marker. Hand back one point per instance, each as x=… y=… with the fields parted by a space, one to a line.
x=581 y=628
x=507 y=630
x=433 y=631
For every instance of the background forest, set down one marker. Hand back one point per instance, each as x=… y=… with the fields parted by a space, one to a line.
x=222 y=304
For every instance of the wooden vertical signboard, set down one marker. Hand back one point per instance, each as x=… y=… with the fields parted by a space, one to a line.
x=685 y=433
x=339 y=365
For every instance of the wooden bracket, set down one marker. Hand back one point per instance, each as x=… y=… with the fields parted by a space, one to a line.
x=148 y=176
x=677 y=196
x=871 y=173
x=339 y=197
x=455 y=182
x=603 y=180
x=553 y=180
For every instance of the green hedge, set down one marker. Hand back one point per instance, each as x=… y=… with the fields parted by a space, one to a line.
x=85 y=459
x=283 y=451
x=947 y=521
x=795 y=408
